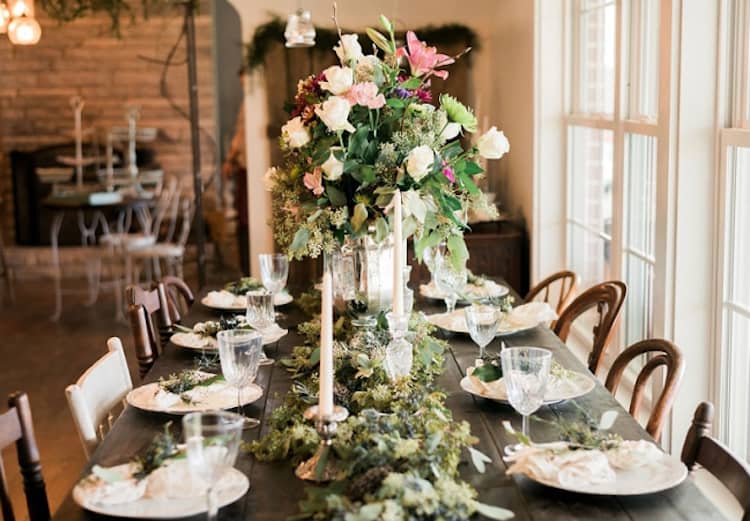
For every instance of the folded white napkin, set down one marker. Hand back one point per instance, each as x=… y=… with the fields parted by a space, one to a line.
x=225 y=299
x=174 y=480
x=555 y=463
x=633 y=454
x=530 y=313
x=120 y=487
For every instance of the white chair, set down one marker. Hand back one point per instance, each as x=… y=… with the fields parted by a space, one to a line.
x=95 y=395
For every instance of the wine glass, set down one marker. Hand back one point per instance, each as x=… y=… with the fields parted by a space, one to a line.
x=274 y=270
x=239 y=354
x=213 y=441
x=261 y=315
x=449 y=280
x=430 y=255
x=525 y=374
x=481 y=321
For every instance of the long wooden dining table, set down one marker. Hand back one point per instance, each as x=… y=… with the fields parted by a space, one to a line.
x=275 y=491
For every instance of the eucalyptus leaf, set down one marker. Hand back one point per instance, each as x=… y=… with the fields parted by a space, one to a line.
x=458 y=251
x=360 y=216
x=300 y=241
x=315 y=356
x=381 y=229
x=493 y=512
x=479 y=458
x=409 y=227
x=335 y=195
x=314 y=215
x=607 y=420
x=410 y=84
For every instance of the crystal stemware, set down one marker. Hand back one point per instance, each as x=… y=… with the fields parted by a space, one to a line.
x=525 y=374
x=261 y=315
x=239 y=354
x=430 y=256
x=213 y=441
x=274 y=270
x=450 y=280
x=481 y=321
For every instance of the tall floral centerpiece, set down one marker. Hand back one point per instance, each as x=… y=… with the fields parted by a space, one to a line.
x=362 y=130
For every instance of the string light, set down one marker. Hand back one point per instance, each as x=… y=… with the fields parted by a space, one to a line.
x=17 y=19
x=4 y=17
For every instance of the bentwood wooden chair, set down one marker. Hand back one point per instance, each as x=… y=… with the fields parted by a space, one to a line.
x=17 y=426
x=180 y=297
x=94 y=398
x=660 y=353
x=607 y=298
x=567 y=282
x=700 y=449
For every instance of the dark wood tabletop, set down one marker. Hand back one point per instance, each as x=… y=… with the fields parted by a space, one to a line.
x=275 y=491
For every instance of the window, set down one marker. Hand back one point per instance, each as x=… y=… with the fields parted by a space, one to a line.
x=733 y=306
x=612 y=148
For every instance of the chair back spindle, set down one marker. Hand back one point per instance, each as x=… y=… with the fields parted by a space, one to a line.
x=607 y=298
x=661 y=353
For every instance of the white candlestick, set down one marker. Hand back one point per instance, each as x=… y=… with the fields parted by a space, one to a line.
x=398 y=267
x=325 y=395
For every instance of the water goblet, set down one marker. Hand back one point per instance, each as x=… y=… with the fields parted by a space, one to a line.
x=430 y=256
x=450 y=281
x=274 y=270
x=213 y=441
x=481 y=321
x=525 y=374
x=261 y=315
x=239 y=354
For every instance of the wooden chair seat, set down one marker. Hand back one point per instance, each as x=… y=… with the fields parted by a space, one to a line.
x=16 y=426
x=663 y=353
x=701 y=449
x=567 y=281
x=97 y=393
x=607 y=298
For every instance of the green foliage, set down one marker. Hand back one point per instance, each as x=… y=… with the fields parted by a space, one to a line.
x=398 y=451
x=69 y=10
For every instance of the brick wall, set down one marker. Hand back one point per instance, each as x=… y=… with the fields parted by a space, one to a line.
x=83 y=58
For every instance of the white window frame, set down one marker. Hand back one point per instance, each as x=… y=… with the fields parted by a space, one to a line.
x=733 y=125
x=621 y=124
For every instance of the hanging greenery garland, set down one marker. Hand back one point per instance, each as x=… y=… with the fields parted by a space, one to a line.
x=272 y=32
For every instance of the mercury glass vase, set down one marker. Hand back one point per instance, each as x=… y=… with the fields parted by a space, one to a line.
x=399 y=354
x=363 y=279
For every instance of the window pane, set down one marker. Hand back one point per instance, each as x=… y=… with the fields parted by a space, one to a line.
x=590 y=178
x=640 y=193
x=596 y=57
x=736 y=390
x=738 y=237
x=639 y=304
x=588 y=255
x=641 y=73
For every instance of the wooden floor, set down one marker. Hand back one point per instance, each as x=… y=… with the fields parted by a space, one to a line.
x=41 y=358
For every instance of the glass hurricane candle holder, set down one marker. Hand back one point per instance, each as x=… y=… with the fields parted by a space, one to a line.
x=398 y=353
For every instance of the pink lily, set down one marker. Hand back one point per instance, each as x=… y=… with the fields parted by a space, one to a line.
x=423 y=59
x=314 y=181
x=365 y=94
x=448 y=172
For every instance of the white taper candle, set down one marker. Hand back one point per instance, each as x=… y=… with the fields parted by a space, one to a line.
x=398 y=256
x=325 y=398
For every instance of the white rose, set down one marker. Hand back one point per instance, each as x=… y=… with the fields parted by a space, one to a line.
x=333 y=168
x=450 y=131
x=338 y=79
x=295 y=133
x=334 y=112
x=493 y=144
x=419 y=162
x=348 y=49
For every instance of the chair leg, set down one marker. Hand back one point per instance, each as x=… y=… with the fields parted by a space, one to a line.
x=157 y=268
x=58 y=298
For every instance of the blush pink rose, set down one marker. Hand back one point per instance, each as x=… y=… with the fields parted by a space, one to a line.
x=365 y=94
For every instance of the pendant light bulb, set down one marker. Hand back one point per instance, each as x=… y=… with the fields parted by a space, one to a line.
x=19 y=8
x=24 y=31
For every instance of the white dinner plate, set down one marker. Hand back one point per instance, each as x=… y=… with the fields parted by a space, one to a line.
x=231 y=303
x=490 y=289
x=225 y=397
x=653 y=477
x=231 y=487
x=558 y=390
x=201 y=343
x=456 y=323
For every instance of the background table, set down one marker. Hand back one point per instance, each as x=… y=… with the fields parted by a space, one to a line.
x=275 y=491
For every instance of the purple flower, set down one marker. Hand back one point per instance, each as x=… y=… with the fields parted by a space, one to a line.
x=402 y=93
